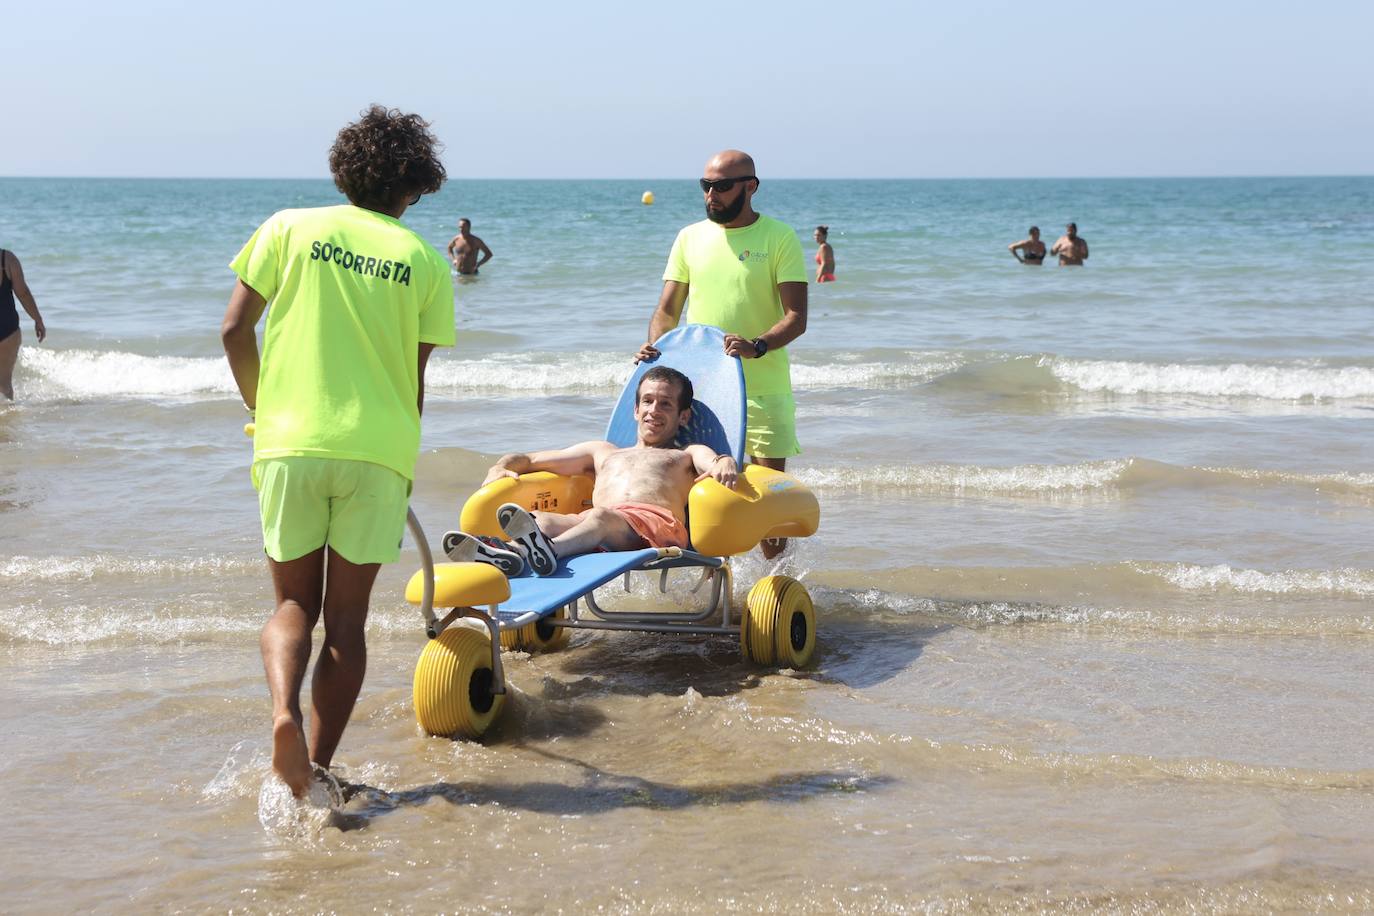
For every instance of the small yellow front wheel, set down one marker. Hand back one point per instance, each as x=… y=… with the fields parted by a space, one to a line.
x=453 y=682
x=779 y=625
x=540 y=636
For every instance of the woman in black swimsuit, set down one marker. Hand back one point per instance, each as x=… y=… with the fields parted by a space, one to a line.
x=1029 y=251
x=12 y=284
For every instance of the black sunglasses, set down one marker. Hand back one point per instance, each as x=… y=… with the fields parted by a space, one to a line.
x=721 y=185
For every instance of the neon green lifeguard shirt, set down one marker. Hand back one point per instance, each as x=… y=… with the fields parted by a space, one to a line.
x=351 y=294
x=733 y=275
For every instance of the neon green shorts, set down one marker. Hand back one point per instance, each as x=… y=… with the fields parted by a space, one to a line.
x=772 y=426
x=356 y=507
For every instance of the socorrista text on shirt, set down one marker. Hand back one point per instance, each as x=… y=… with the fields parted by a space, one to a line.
x=366 y=265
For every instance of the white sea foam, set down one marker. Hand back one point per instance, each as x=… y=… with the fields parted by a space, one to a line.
x=528 y=373
x=90 y=374
x=80 y=624
x=114 y=374
x=69 y=569
x=607 y=372
x=153 y=621
x=118 y=374
x=1338 y=482
x=1126 y=473
x=855 y=371
x=1161 y=619
x=1025 y=478
x=1336 y=582
x=1239 y=380
x=111 y=373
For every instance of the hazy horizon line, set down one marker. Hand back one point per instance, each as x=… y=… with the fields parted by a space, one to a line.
x=689 y=179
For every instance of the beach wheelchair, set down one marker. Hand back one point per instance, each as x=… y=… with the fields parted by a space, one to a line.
x=459 y=684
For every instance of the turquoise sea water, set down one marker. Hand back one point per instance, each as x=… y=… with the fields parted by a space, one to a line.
x=1093 y=575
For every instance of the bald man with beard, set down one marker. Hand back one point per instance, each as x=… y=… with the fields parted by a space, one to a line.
x=1071 y=247
x=744 y=273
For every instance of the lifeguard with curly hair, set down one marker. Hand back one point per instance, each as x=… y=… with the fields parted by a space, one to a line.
x=357 y=303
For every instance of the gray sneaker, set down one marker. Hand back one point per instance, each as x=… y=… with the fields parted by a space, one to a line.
x=521 y=528
x=468 y=548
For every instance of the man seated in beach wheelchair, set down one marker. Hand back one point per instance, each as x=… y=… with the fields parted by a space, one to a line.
x=547 y=528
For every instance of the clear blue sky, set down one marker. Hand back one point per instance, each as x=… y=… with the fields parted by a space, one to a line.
x=644 y=90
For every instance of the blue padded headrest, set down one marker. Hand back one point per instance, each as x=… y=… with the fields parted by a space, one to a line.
x=718 y=408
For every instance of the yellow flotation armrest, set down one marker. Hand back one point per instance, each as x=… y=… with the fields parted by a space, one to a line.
x=540 y=491
x=764 y=504
x=461 y=585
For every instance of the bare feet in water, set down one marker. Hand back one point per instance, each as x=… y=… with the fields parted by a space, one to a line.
x=290 y=759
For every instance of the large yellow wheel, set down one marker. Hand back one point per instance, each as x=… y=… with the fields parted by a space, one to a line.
x=779 y=625
x=453 y=681
x=540 y=636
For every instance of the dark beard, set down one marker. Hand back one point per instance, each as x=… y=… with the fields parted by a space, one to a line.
x=729 y=214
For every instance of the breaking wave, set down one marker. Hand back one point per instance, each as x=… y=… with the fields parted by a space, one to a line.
x=1111 y=474
x=86 y=374
x=1235 y=380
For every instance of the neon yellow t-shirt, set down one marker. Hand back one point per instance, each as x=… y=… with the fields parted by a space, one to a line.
x=733 y=275
x=351 y=294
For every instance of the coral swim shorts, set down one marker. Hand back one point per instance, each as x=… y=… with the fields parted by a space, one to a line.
x=658 y=526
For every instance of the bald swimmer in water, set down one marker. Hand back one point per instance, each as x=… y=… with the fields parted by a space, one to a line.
x=1071 y=247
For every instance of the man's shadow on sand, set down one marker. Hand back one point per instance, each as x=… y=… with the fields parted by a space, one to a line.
x=600 y=792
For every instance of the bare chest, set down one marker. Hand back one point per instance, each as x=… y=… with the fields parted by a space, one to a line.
x=656 y=464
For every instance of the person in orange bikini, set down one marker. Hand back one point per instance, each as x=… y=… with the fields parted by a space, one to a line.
x=825 y=256
x=639 y=499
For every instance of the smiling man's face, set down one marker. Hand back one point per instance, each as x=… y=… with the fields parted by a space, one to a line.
x=657 y=411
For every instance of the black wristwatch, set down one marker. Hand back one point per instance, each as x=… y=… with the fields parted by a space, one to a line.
x=760 y=347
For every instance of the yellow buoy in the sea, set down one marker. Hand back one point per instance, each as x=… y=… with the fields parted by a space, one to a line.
x=647 y=198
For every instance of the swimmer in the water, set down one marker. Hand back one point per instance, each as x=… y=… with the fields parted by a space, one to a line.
x=1072 y=248
x=464 y=247
x=12 y=284
x=1030 y=250
x=825 y=256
